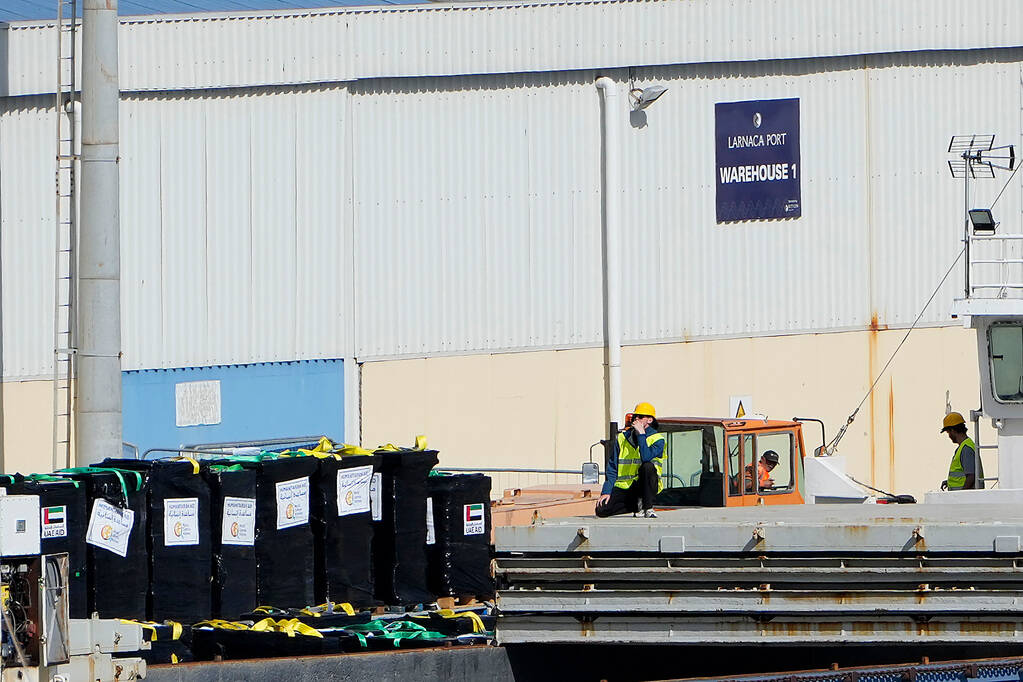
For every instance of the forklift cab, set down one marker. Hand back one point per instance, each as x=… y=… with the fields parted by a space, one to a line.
x=716 y=462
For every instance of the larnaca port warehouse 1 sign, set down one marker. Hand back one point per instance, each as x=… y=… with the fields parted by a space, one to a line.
x=757 y=159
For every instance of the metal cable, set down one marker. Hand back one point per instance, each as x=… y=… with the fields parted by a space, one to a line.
x=1001 y=191
x=834 y=443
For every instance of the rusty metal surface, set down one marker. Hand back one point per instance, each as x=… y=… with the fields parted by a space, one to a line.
x=801 y=576
x=812 y=529
x=989 y=670
x=764 y=601
x=878 y=629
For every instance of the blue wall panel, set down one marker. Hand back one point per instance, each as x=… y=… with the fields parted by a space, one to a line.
x=261 y=401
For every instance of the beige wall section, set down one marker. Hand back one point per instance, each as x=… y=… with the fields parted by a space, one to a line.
x=544 y=409
x=27 y=426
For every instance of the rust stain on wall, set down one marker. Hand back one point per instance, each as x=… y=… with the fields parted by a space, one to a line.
x=871 y=373
x=891 y=434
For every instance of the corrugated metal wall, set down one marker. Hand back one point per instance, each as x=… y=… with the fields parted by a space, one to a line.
x=27 y=194
x=231 y=206
x=308 y=46
x=475 y=206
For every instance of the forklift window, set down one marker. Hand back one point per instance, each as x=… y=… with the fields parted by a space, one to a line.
x=692 y=451
x=1005 y=344
x=734 y=466
x=692 y=474
x=781 y=475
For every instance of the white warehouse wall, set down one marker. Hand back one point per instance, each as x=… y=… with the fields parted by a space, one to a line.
x=462 y=215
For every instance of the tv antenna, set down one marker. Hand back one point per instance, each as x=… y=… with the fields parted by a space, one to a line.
x=977 y=157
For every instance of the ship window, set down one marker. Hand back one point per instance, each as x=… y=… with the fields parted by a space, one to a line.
x=1005 y=344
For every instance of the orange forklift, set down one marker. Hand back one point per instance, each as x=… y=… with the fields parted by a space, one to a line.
x=710 y=462
x=713 y=462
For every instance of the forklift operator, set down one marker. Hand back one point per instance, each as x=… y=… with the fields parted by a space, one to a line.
x=768 y=461
x=634 y=469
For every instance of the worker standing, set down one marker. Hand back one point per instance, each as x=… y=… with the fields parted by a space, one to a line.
x=966 y=472
x=634 y=469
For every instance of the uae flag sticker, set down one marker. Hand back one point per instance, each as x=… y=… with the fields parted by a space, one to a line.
x=54 y=522
x=475 y=523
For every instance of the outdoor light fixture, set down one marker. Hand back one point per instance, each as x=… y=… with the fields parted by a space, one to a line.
x=982 y=221
x=641 y=99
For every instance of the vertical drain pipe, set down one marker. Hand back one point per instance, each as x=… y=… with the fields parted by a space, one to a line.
x=98 y=413
x=612 y=253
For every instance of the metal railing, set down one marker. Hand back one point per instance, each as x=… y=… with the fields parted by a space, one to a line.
x=1009 y=267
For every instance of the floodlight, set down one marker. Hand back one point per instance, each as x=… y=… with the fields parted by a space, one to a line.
x=641 y=99
x=982 y=221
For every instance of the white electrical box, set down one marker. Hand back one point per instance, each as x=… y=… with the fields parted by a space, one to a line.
x=19 y=525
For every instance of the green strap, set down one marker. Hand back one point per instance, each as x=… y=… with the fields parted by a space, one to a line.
x=221 y=468
x=396 y=632
x=118 y=472
x=47 y=478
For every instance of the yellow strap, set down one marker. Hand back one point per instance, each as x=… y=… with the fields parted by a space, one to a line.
x=174 y=658
x=420 y=442
x=144 y=626
x=390 y=447
x=263 y=609
x=222 y=624
x=317 y=611
x=289 y=627
x=175 y=629
x=347 y=449
x=184 y=458
x=324 y=445
x=319 y=454
x=477 y=622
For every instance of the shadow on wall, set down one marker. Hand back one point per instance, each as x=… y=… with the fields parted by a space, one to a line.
x=4 y=60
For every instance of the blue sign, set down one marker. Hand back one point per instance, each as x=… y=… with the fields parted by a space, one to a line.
x=757 y=159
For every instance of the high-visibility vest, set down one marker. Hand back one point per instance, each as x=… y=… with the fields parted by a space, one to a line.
x=629 y=461
x=956 y=473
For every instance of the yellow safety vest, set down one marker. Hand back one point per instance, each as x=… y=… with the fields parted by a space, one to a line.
x=956 y=473
x=629 y=461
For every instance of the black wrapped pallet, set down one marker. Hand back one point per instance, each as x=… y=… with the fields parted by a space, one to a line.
x=399 y=535
x=63 y=519
x=117 y=558
x=459 y=556
x=180 y=543
x=284 y=536
x=233 y=497
x=342 y=522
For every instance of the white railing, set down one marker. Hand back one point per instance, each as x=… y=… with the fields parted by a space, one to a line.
x=996 y=266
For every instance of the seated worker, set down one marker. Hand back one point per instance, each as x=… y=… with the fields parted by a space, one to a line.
x=634 y=469
x=768 y=461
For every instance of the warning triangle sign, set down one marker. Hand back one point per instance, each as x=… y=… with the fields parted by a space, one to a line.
x=740 y=412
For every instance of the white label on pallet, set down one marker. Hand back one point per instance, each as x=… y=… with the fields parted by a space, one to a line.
x=353 y=490
x=431 y=533
x=238 y=526
x=475 y=519
x=292 y=502
x=181 y=521
x=54 y=522
x=110 y=527
x=374 y=496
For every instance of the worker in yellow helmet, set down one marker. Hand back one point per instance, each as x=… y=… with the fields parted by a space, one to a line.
x=966 y=472
x=633 y=475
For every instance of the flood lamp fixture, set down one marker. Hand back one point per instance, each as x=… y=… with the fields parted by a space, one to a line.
x=982 y=221
x=642 y=98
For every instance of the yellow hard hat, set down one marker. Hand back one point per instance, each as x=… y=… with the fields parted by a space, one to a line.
x=952 y=419
x=645 y=409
